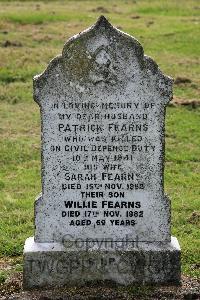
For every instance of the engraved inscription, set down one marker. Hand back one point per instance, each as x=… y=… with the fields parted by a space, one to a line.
x=103 y=108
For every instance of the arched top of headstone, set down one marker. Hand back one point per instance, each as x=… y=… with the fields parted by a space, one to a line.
x=102 y=56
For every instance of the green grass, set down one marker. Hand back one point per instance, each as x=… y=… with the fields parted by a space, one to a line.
x=168 y=31
x=39 y=18
x=182 y=177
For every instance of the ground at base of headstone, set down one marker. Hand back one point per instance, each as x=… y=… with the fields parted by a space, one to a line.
x=188 y=290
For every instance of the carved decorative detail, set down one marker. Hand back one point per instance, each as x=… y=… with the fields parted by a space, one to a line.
x=81 y=61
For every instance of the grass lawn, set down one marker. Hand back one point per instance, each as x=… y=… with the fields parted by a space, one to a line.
x=32 y=33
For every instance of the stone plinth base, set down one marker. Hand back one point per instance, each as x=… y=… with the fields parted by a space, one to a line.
x=54 y=264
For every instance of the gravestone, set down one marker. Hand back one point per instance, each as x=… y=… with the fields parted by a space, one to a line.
x=102 y=214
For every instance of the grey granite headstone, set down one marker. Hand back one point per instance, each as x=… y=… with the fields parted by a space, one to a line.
x=102 y=214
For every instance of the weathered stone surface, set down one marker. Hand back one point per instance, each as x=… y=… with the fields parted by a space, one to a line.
x=51 y=264
x=103 y=109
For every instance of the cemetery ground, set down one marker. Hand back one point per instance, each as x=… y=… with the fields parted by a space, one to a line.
x=32 y=33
